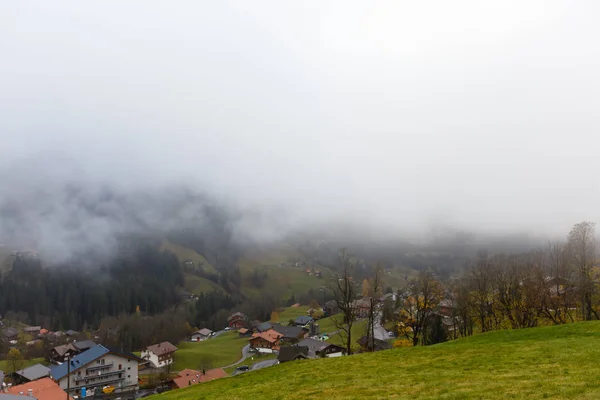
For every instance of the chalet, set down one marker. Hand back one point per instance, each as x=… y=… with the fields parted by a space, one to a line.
x=291 y=334
x=236 y=320
x=95 y=368
x=10 y=333
x=71 y=333
x=189 y=377
x=264 y=326
x=159 y=355
x=42 y=389
x=292 y=353
x=331 y=308
x=83 y=345
x=266 y=342
x=60 y=354
x=303 y=320
x=446 y=307
x=200 y=335
x=557 y=286
x=319 y=348
x=366 y=345
x=362 y=307
x=32 y=330
x=244 y=332
x=33 y=373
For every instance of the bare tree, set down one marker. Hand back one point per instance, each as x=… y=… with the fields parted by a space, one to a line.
x=582 y=246
x=558 y=300
x=373 y=313
x=345 y=290
x=480 y=274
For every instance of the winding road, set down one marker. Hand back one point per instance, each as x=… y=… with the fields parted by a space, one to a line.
x=245 y=354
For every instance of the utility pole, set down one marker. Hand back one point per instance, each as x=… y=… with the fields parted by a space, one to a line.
x=68 y=375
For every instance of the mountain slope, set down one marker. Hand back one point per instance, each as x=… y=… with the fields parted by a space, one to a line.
x=548 y=362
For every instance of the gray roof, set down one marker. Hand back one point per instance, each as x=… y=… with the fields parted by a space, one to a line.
x=265 y=326
x=34 y=372
x=289 y=332
x=71 y=332
x=4 y=396
x=289 y=353
x=315 y=345
x=83 y=345
x=303 y=320
x=10 y=332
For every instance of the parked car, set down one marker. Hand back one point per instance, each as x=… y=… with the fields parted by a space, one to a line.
x=243 y=368
x=227 y=328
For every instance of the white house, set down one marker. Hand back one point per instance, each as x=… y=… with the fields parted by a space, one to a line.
x=202 y=334
x=160 y=354
x=95 y=368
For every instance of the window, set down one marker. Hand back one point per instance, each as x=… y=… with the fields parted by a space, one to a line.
x=128 y=368
x=120 y=366
x=102 y=362
x=97 y=361
x=78 y=373
x=129 y=376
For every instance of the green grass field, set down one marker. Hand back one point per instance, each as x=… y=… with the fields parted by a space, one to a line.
x=5 y=365
x=223 y=350
x=558 y=362
x=288 y=313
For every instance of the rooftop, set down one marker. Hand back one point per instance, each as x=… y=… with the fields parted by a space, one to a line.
x=162 y=348
x=34 y=372
x=43 y=389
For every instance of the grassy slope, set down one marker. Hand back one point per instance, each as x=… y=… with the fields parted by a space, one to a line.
x=548 y=362
x=223 y=350
x=288 y=313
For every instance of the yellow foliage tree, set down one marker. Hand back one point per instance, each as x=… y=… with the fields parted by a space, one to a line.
x=366 y=288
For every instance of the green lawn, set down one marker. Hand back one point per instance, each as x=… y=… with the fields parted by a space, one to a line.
x=5 y=365
x=288 y=313
x=358 y=330
x=559 y=362
x=197 y=284
x=223 y=350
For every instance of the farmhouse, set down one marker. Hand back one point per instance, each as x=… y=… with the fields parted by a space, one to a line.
x=236 y=320
x=159 y=355
x=291 y=334
x=266 y=342
x=319 y=348
x=33 y=373
x=303 y=320
x=98 y=367
x=291 y=353
x=189 y=377
x=200 y=335
x=60 y=354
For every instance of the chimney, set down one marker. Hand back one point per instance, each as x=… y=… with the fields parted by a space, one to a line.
x=30 y=392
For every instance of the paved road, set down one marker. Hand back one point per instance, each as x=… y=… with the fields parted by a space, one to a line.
x=245 y=354
x=379 y=331
x=218 y=333
x=264 y=364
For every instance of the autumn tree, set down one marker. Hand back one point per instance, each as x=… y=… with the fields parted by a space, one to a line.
x=422 y=297
x=345 y=291
x=582 y=245
x=15 y=360
x=367 y=291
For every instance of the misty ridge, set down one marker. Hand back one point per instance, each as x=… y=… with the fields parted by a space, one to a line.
x=64 y=219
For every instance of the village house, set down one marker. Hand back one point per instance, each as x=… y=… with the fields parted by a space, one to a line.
x=266 y=342
x=331 y=308
x=366 y=345
x=263 y=327
x=303 y=320
x=10 y=333
x=32 y=330
x=291 y=334
x=200 y=335
x=43 y=389
x=84 y=345
x=236 y=320
x=292 y=353
x=159 y=355
x=33 y=373
x=189 y=377
x=60 y=354
x=362 y=307
x=319 y=348
x=98 y=367
x=244 y=332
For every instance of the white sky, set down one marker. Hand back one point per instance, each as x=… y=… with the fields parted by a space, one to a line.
x=405 y=113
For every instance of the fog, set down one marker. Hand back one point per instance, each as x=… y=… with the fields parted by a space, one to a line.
x=392 y=116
